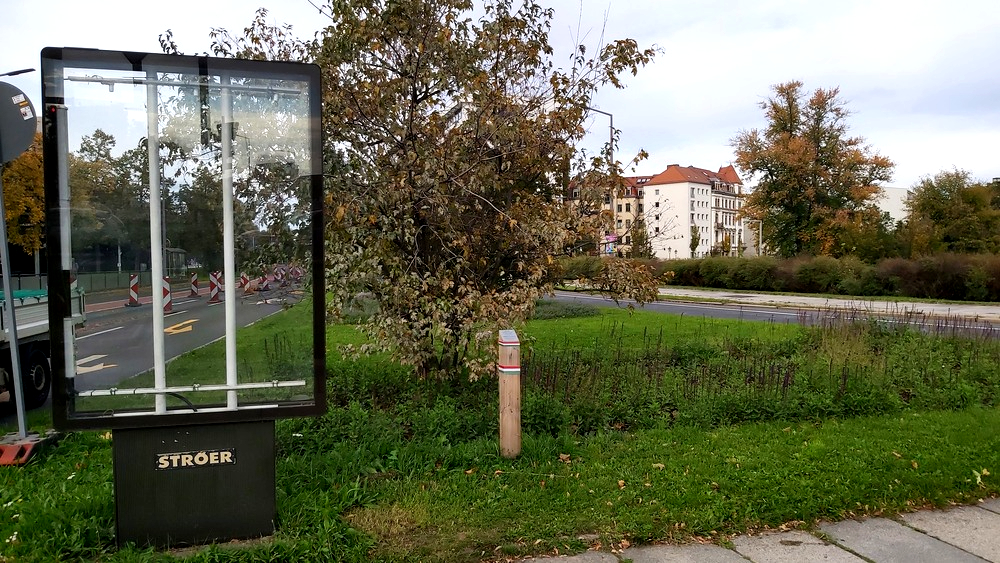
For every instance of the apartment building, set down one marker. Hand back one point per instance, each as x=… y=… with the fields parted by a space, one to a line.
x=674 y=205
x=686 y=202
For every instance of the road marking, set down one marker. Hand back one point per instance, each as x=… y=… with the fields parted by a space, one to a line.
x=82 y=369
x=100 y=333
x=184 y=302
x=186 y=326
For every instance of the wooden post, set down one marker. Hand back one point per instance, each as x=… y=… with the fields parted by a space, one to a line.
x=509 y=374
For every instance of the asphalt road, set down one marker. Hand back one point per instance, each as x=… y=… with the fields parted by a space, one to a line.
x=733 y=311
x=117 y=343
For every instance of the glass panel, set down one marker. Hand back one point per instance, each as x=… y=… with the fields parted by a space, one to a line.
x=149 y=247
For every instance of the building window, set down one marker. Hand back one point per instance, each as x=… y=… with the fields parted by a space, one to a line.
x=628 y=223
x=640 y=193
x=619 y=224
x=628 y=240
x=607 y=200
x=619 y=208
x=657 y=216
x=656 y=204
x=628 y=207
x=640 y=208
x=656 y=192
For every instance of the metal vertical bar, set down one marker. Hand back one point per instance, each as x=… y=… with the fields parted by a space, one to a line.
x=155 y=240
x=229 y=239
x=11 y=322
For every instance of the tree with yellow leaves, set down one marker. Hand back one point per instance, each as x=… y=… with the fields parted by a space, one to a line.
x=24 y=198
x=814 y=181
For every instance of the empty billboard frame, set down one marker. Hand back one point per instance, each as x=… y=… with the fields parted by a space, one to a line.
x=158 y=169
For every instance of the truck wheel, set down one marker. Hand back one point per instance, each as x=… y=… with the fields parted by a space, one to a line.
x=36 y=380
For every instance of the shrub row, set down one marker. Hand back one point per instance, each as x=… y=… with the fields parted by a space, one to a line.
x=958 y=277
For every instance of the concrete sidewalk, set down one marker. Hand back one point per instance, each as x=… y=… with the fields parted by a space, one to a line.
x=935 y=310
x=963 y=534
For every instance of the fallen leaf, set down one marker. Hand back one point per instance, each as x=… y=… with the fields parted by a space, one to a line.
x=497 y=472
x=625 y=544
x=913 y=462
x=541 y=484
x=659 y=466
x=621 y=484
x=471 y=471
x=985 y=472
x=564 y=458
x=897 y=454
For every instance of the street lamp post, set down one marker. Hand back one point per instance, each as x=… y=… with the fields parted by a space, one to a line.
x=611 y=158
x=760 y=232
x=118 y=235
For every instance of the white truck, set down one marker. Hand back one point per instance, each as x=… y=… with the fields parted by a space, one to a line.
x=31 y=311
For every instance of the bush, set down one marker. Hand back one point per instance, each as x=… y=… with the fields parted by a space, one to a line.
x=820 y=274
x=687 y=272
x=581 y=267
x=756 y=274
x=858 y=278
x=716 y=272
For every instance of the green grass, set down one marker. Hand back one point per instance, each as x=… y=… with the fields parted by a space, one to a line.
x=405 y=470
x=278 y=347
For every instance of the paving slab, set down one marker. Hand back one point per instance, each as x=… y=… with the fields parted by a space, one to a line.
x=993 y=505
x=585 y=557
x=790 y=547
x=969 y=528
x=695 y=553
x=885 y=541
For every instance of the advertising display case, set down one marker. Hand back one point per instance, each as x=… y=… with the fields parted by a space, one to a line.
x=164 y=167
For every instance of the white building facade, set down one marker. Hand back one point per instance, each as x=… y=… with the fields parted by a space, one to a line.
x=684 y=202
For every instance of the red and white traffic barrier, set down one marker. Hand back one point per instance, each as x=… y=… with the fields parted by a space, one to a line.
x=279 y=276
x=167 y=302
x=264 y=284
x=133 y=291
x=194 y=285
x=213 y=288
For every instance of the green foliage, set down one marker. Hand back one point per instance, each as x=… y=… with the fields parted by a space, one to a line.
x=581 y=267
x=546 y=309
x=695 y=240
x=837 y=420
x=949 y=212
x=941 y=276
x=818 y=275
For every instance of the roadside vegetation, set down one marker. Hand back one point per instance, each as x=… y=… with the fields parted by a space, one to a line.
x=637 y=428
x=944 y=276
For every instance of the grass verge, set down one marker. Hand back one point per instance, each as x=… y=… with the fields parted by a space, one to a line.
x=404 y=470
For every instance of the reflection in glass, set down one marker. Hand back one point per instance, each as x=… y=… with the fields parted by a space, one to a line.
x=176 y=173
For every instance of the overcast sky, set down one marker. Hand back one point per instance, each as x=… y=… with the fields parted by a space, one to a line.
x=921 y=77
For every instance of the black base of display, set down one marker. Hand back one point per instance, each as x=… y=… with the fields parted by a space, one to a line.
x=189 y=485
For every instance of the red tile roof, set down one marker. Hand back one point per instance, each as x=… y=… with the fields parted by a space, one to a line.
x=676 y=174
x=728 y=174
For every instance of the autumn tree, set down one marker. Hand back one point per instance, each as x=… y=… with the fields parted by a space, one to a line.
x=449 y=142
x=813 y=179
x=24 y=198
x=951 y=212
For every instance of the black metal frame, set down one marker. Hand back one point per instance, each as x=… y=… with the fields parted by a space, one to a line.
x=53 y=62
